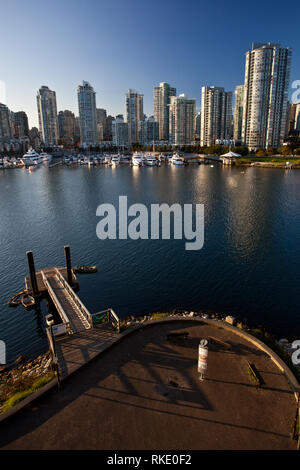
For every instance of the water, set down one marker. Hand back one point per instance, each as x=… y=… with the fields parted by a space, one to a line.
x=249 y=266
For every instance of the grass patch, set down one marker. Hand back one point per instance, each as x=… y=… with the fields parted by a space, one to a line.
x=157 y=316
x=283 y=160
x=15 y=398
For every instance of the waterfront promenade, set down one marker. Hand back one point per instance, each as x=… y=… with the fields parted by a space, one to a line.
x=144 y=393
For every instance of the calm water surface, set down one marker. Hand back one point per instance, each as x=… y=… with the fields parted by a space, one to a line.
x=249 y=265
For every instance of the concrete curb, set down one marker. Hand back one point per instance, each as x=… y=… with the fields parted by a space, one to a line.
x=218 y=323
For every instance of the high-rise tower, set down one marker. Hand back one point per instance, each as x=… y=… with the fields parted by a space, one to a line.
x=267 y=73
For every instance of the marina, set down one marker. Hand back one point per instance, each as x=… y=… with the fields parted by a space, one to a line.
x=32 y=159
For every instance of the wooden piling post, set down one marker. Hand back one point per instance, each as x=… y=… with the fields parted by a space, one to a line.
x=32 y=273
x=68 y=264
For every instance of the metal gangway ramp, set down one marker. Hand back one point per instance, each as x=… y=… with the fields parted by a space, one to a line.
x=69 y=306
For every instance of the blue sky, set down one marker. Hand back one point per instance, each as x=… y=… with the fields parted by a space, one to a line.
x=134 y=44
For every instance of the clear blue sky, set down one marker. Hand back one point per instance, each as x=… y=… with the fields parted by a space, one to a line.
x=121 y=44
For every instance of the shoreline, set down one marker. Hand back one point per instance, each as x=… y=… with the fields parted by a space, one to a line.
x=268 y=165
x=33 y=364
x=282 y=347
x=18 y=380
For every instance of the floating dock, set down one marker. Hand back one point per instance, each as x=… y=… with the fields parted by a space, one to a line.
x=40 y=282
x=77 y=325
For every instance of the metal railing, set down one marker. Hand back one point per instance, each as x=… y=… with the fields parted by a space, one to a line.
x=50 y=341
x=54 y=357
x=110 y=315
x=114 y=319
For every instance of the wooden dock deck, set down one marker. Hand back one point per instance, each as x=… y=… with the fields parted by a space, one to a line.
x=67 y=303
x=41 y=285
x=73 y=351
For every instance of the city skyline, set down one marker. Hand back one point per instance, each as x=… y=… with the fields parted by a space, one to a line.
x=112 y=65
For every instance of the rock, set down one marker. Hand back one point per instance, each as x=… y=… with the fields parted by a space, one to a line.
x=283 y=341
x=3 y=369
x=173 y=383
x=229 y=319
x=48 y=363
x=19 y=359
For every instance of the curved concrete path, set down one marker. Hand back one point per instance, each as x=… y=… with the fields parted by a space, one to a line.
x=145 y=393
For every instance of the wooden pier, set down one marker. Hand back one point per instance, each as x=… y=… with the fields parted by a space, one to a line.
x=81 y=335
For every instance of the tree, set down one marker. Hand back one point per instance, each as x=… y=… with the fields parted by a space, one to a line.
x=241 y=150
x=260 y=153
x=271 y=151
x=285 y=150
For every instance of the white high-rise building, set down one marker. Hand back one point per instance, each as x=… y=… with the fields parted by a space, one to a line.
x=216 y=115
x=47 y=112
x=297 y=118
x=181 y=120
x=134 y=114
x=162 y=96
x=87 y=114
x=267 y=73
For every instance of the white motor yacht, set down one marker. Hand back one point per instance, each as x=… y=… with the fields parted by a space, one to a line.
x=150 y=160
x=115 y=160
x=177 y=160
x=31 y=158
x=45 y=156
x=137 y=159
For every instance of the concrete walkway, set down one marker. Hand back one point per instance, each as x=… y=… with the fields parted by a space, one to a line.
x=145 y=393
